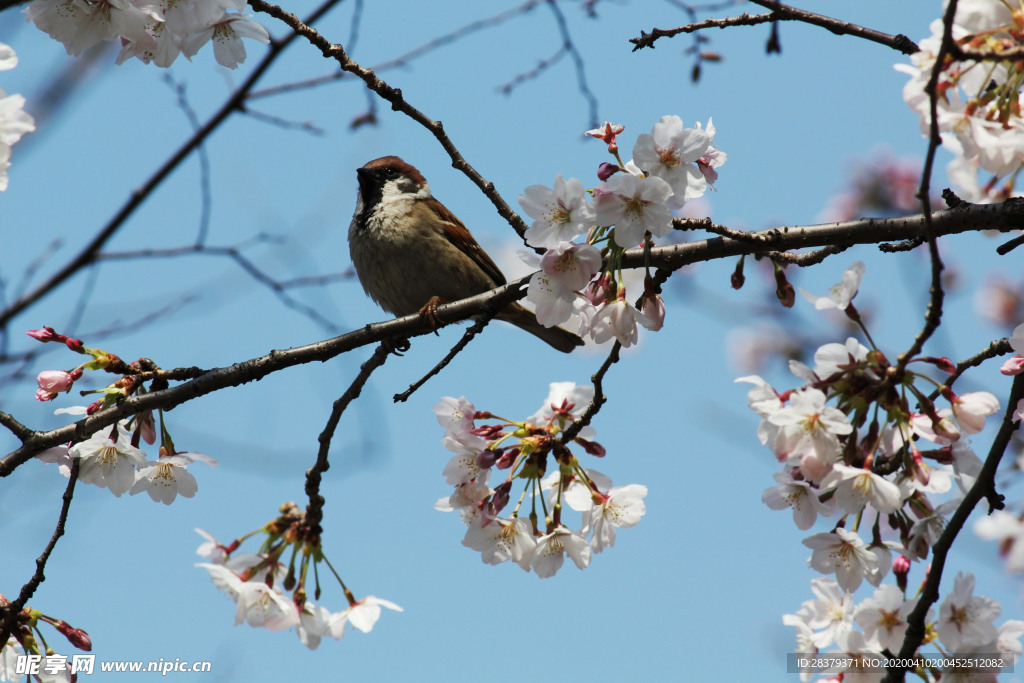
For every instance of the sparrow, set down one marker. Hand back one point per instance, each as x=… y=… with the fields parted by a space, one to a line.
x=411 y=253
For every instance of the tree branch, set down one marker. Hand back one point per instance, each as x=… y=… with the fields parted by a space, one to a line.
x=10 y=612
x=781 y=12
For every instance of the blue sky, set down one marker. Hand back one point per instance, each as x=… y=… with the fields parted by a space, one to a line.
x=699 y=586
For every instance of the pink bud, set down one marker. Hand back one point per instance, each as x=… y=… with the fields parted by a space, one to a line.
x=43 y=334
x=901 y=567
x=55 y=381
x=75 y=636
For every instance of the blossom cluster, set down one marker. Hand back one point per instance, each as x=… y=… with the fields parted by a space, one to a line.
x=978 y=99
x=852 y=446
x=863 y=458
x=14 y=120
x=965 y=627
x=632 y=203
x=27 y=641
x=257 y=583
x=156 y=31
x=541 y=540
x=112 y=458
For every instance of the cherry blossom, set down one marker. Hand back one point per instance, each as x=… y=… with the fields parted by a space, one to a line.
x=263 y=606
x=796 y=494
x=167 y=478
x=843 y=553
x=634 y=205
x=14 y=120
x=712 y=158
x=212 y=550
x=971 y=409
x=809 y=428
x=364 y=613
x=501 y=540
x=312 y=625
x=226 y=33
x=831 y=614
x=560 y=215
x=965 y=618
x=839 y=295
x=552 y=549
x=455 y=414
x=1008 y=530
x=883 y=617
x=671 y=152
x=804 y=642
x=856 y=487
x=8 y=58
x=833 y=359
x=616 y=319
x=52 y=382
x=108 y=461
x=565 y=269
x=622 y=506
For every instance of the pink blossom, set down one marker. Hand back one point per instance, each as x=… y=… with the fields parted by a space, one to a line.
x=1013 y=366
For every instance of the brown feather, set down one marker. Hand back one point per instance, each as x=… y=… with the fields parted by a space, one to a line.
x=458 y=234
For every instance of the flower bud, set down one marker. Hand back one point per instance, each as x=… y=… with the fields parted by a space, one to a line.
x=55 y=381
x=75 y=636
x=486 y=458
x=43 y=334
x=606 y=170
x=901 y=567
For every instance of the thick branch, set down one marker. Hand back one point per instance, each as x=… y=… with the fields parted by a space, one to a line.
x=1002 y=217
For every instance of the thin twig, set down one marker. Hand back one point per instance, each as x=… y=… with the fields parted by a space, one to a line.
x=11 y=611
x=315 y=507
x=573 y=430
x=474 y=329
x=782 y=12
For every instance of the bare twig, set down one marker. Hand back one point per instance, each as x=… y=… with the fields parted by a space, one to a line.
x=10 y=612
x=577 y=60
x=782 y=12
x=474 y=329
x=314 y=510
